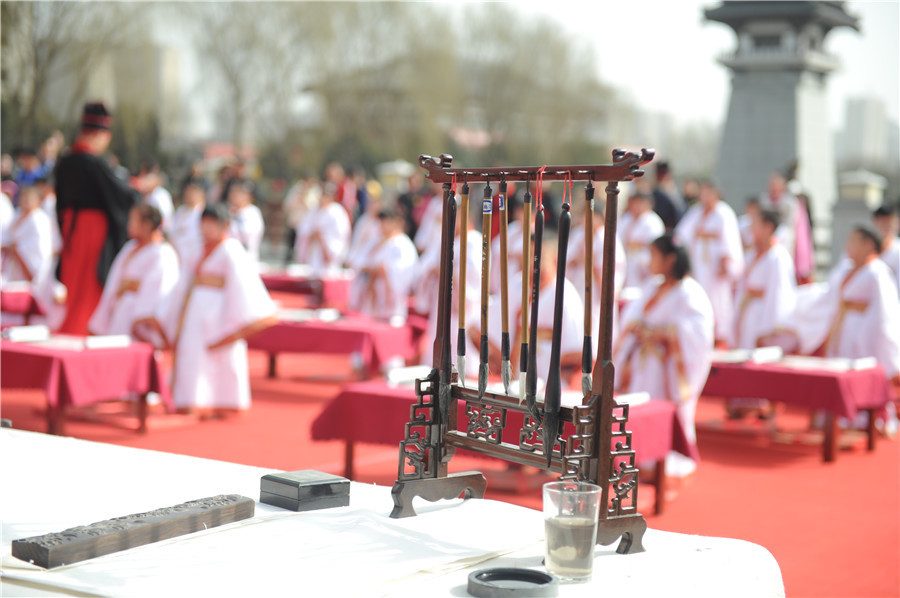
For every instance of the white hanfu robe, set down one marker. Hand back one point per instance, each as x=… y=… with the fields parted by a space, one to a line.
x=575 y=273
x=139 y=281
x=28 y=257
x=427 y=285
x=185 y=231
x=28 y=248
x=636 y=235
x=711 y=236
x=429 y=229
x=891 y=257
x=366 y=235
x=856 y=315
x=218 y=302
x=675 y=371
x=7 y=215
x=387 y=297
x=333 y=225
x=766 y=297
x=248 y=227
x=161 y=199
x=48 y=204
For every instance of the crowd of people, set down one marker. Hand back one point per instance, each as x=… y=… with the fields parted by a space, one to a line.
x=112 y=254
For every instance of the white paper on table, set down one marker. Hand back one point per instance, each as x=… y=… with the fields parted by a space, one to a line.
x=831 y=364
x=107 y=341
x=767 y=354
x=406 y=376
x=27 y=334
x=66 y=342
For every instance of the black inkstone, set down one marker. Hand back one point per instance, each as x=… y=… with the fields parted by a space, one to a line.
x=306 y=490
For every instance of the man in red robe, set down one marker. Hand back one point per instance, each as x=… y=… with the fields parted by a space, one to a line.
x=92 y=207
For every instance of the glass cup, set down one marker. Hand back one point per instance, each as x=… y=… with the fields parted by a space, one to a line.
x=571 y=510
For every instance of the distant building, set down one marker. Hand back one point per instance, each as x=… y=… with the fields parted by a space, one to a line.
x=869 y=138
x=778 y=110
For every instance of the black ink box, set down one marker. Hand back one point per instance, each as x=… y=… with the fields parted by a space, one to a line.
x=306 y=490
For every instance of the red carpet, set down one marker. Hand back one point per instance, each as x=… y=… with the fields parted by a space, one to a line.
x=834 y=528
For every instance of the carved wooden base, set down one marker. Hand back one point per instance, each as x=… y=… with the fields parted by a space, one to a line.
x=472 y=483
x=630 y=528
x=121 y=533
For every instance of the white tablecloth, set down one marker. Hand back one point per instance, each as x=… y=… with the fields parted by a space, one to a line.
x=52 y=483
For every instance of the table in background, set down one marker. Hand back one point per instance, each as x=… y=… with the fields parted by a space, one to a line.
x=19 y=301
x=374 y=412
x=347 y=551
x=836 y=393
x=72 y=377
x=375 y=342
x=325 y=292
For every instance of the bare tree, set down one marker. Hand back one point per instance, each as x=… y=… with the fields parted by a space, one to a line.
x=42 y=40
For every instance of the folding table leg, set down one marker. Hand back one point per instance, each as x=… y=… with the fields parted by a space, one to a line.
x=142 y=414
x=870 y=429
x=660 y=483
x=272 y=367
x=348 y=459
x=56 y=418
x=831 y=432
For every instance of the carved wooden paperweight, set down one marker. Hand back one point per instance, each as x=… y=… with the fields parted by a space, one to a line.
x=598 y=449
x=121 y=533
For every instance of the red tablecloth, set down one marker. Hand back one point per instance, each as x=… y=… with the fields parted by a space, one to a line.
x=374 y=341
x=82 y=377
x=841 y=393
x=18 y=302
x=373 y=412
x=329 y=292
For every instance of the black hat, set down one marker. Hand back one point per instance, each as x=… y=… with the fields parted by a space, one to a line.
x=96 y=116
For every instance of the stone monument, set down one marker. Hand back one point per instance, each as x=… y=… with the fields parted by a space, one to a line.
x=778 y=112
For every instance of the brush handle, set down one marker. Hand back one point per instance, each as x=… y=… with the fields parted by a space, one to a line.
x=531 y=375
x=463 y=258
x=487 y=208
x=526 y=271
x=447 y=286
x=587 y=350
x=554 y=390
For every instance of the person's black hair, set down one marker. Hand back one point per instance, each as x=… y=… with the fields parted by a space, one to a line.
x=195 y=181
x=216 y=211
x=149 y=214
x=753 y=200
x=770 y=216
x=869 y=233
x=667 y=246
x=43 y=180
x=247 y=185
x=24 y=150
x=644 y=196
x=149 y=164
x=885 y=209
x=388 y=213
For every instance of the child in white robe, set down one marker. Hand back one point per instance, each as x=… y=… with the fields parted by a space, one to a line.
x=185 y=232
x=639 y=226
x=27 y=247
x=709 y=231
x=766 y=298
x=387 y=274
x=218 y=302
x=323 y=236
x=247 y=225
x=141 y=277
x=28 y=242
x=886 y=221
x=666 y=343
x=857 y=315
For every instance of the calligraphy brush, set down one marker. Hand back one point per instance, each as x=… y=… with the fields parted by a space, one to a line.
x=447 y=288
x=553 y=390
x=487 y=208
x=505 y=367
x=531 y=376
x=526 y=289
x=587 y=358
x=461 y=308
